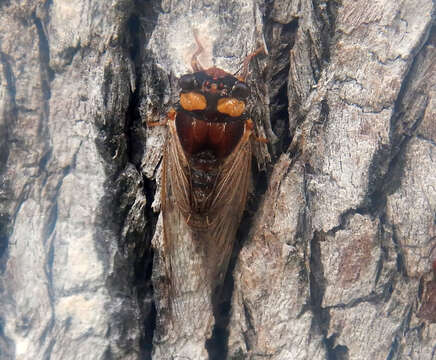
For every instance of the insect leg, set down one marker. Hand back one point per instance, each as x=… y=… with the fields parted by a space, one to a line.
x=247 y=61
x=162 y=122
x=261 y=139
x=188 y=219
x=196 y=66
x=250 y=126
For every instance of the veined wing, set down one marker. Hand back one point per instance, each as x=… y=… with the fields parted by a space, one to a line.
x=197 y=256
x=189 y=289
x=227 y=206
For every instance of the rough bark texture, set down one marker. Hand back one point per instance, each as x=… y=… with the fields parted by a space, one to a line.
x=333 y=257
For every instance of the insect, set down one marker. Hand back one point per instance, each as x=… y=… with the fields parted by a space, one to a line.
x=205 y=180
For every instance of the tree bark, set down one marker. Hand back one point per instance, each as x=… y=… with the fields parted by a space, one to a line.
x=333 y=258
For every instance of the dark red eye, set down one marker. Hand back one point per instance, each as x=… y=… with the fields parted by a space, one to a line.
x=188 y=82
x=240 y=90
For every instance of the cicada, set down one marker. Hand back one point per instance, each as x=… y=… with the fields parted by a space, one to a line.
x=205 y=181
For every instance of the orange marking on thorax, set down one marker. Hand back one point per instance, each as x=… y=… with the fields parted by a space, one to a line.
x=231 y=106
x=193 y=101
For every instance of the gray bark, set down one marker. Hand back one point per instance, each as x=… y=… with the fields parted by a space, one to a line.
x=333 y=257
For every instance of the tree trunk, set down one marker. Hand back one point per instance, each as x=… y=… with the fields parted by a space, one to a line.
x=333 y=258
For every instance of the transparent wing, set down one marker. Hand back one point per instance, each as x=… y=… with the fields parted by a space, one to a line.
x=197 y=248
x=189 y=290
x=226 y=208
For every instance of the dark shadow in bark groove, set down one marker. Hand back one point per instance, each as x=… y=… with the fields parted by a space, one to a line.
x=143 y=271
x=278 y=71
x=394 y=349
x=47 y=73
x=387 y=166
x=279 y=68
x=4 y=240
x=278 y=80
x=139 y=32
x=321 y=316
x=127 y=219
x=335 y=352
x=142 y=254
x=10 y=116
x=280 y=118
x=317 y=285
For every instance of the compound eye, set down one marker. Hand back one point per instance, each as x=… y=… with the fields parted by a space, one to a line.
x=240 y=90
x=188 y=82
